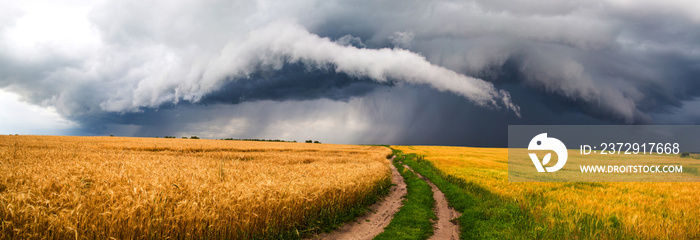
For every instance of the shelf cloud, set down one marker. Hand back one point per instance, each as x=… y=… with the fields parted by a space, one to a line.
x=421 y=72
x=279 y=44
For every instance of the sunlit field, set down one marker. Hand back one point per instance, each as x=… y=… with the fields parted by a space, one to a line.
x=138 y=188
x=574 y=210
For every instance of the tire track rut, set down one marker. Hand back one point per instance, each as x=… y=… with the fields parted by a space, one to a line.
x=445 y=227
x=377 y=218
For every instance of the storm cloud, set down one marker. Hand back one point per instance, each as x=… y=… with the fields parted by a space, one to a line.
x=405 y=72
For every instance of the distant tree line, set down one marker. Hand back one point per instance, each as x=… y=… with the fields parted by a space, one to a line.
x=695 y=155
x=192 y=137
x=255 y=139
x=246 y=139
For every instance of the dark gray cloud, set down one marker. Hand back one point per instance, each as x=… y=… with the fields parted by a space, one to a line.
x=292 y=82
x=411 y=72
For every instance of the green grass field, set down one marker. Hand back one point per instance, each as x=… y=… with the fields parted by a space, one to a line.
x=475 y=182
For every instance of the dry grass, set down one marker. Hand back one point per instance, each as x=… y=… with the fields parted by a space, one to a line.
x=135 y=188
x=639 y=210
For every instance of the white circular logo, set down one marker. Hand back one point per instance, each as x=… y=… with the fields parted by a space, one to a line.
x=542 y=142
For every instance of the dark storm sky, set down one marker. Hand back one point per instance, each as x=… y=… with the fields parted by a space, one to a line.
x=396 y=72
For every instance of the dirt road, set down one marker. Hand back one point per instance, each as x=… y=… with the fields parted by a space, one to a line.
x=444 y=228
x=374 y=221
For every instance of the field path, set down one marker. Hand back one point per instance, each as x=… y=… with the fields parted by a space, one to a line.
x=377 y=218
x=445 y=228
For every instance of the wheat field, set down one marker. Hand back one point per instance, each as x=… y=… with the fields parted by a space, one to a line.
x=136 y=188
x=650 y=210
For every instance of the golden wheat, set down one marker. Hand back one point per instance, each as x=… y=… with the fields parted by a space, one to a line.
x=645 y=210
x=135 y=188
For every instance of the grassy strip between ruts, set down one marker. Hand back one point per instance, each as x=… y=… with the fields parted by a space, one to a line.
x=486 y=215
x=413 y=220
